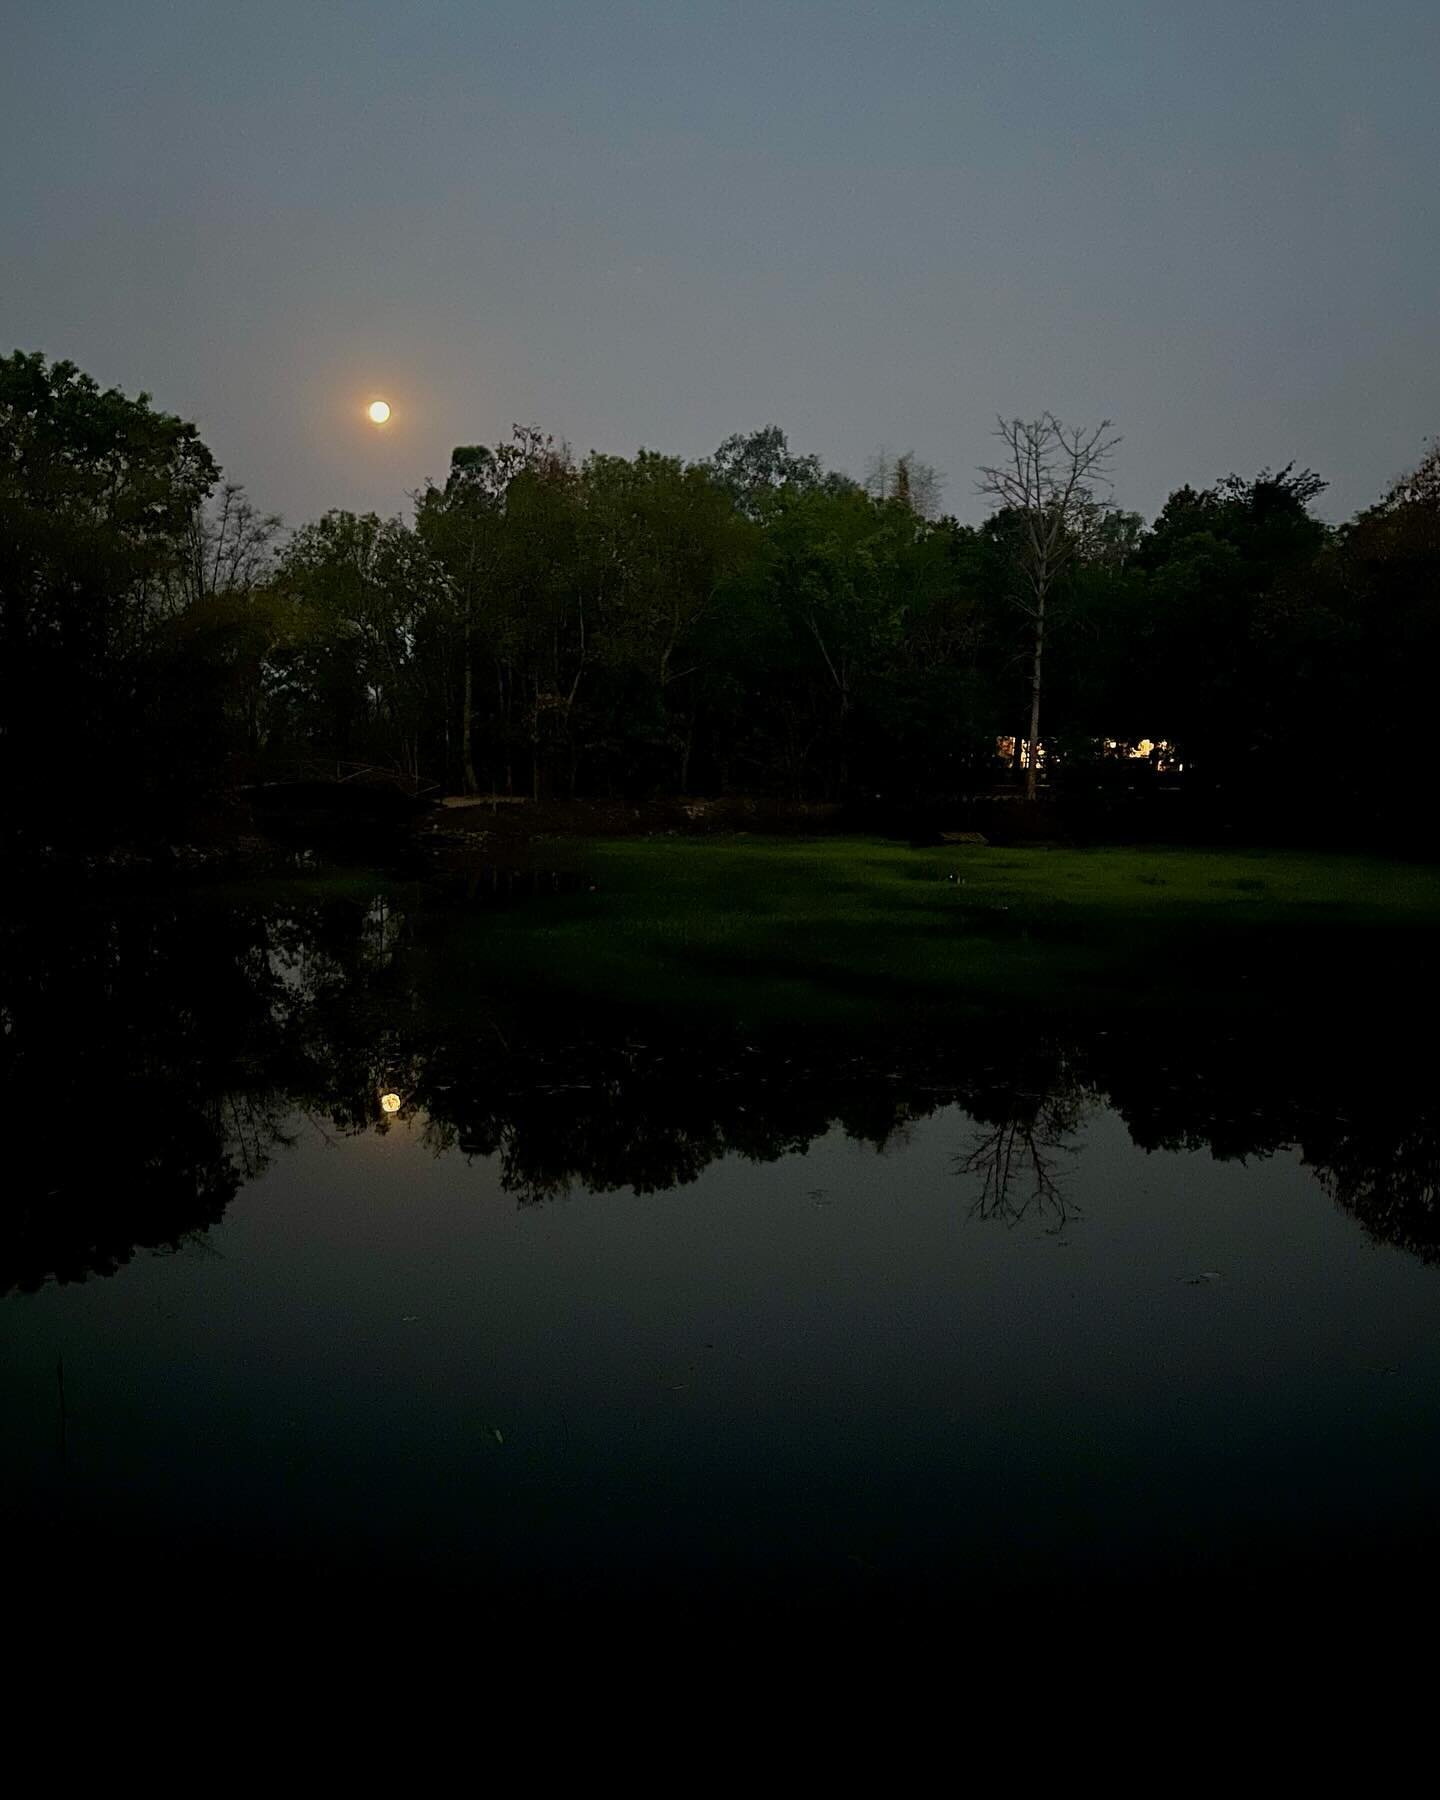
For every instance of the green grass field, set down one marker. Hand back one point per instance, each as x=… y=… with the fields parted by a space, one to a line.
x=768 y=929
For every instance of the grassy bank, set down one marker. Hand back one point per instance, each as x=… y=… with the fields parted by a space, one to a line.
x=842 y=928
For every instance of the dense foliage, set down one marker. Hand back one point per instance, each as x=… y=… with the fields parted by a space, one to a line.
x=752 y=623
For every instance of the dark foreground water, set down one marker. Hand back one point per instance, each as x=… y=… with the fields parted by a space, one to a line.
x=603 y=1311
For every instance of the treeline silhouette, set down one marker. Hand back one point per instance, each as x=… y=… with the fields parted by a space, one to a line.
x=161 y=1056
x=753 y=623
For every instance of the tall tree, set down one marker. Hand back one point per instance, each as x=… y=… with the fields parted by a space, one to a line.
x=476 y=527
x=663 y=541
x=97 y=492
x=367 y=603
x=1231 y=630
x=1047 y=480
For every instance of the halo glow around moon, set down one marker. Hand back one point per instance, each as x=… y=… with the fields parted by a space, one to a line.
x=379 y=411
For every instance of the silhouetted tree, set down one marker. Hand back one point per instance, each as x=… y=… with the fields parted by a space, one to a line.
x=1047 y=482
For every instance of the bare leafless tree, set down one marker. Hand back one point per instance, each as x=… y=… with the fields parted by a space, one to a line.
x=228 y=549
x=907 y=479
x=1047 y=479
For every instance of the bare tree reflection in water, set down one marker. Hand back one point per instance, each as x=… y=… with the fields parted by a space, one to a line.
x=1022 y=1153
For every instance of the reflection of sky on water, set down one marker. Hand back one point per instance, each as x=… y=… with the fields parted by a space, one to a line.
x=831 y=1354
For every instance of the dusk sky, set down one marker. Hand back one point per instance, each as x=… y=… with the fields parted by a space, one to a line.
x=878 y=224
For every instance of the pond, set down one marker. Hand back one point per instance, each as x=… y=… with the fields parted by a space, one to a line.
x=602 y=1306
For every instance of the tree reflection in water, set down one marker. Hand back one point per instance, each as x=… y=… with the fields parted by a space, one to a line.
x=159 y=1055
x=1021 y=1148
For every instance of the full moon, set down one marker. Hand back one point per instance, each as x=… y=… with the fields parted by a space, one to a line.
x=379 y=411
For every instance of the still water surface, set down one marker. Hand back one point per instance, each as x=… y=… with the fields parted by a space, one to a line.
x=600 y=1310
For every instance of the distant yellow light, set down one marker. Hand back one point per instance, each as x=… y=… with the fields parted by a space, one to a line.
x=379 y=411
x=390 y=1103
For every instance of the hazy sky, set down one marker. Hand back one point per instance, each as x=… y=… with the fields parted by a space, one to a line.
x=1217 y=222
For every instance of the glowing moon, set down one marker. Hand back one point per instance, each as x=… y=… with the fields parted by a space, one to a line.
x=379 y=411
x=390 y=1103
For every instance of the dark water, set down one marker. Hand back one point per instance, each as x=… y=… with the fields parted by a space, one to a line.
x=606 y=1309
